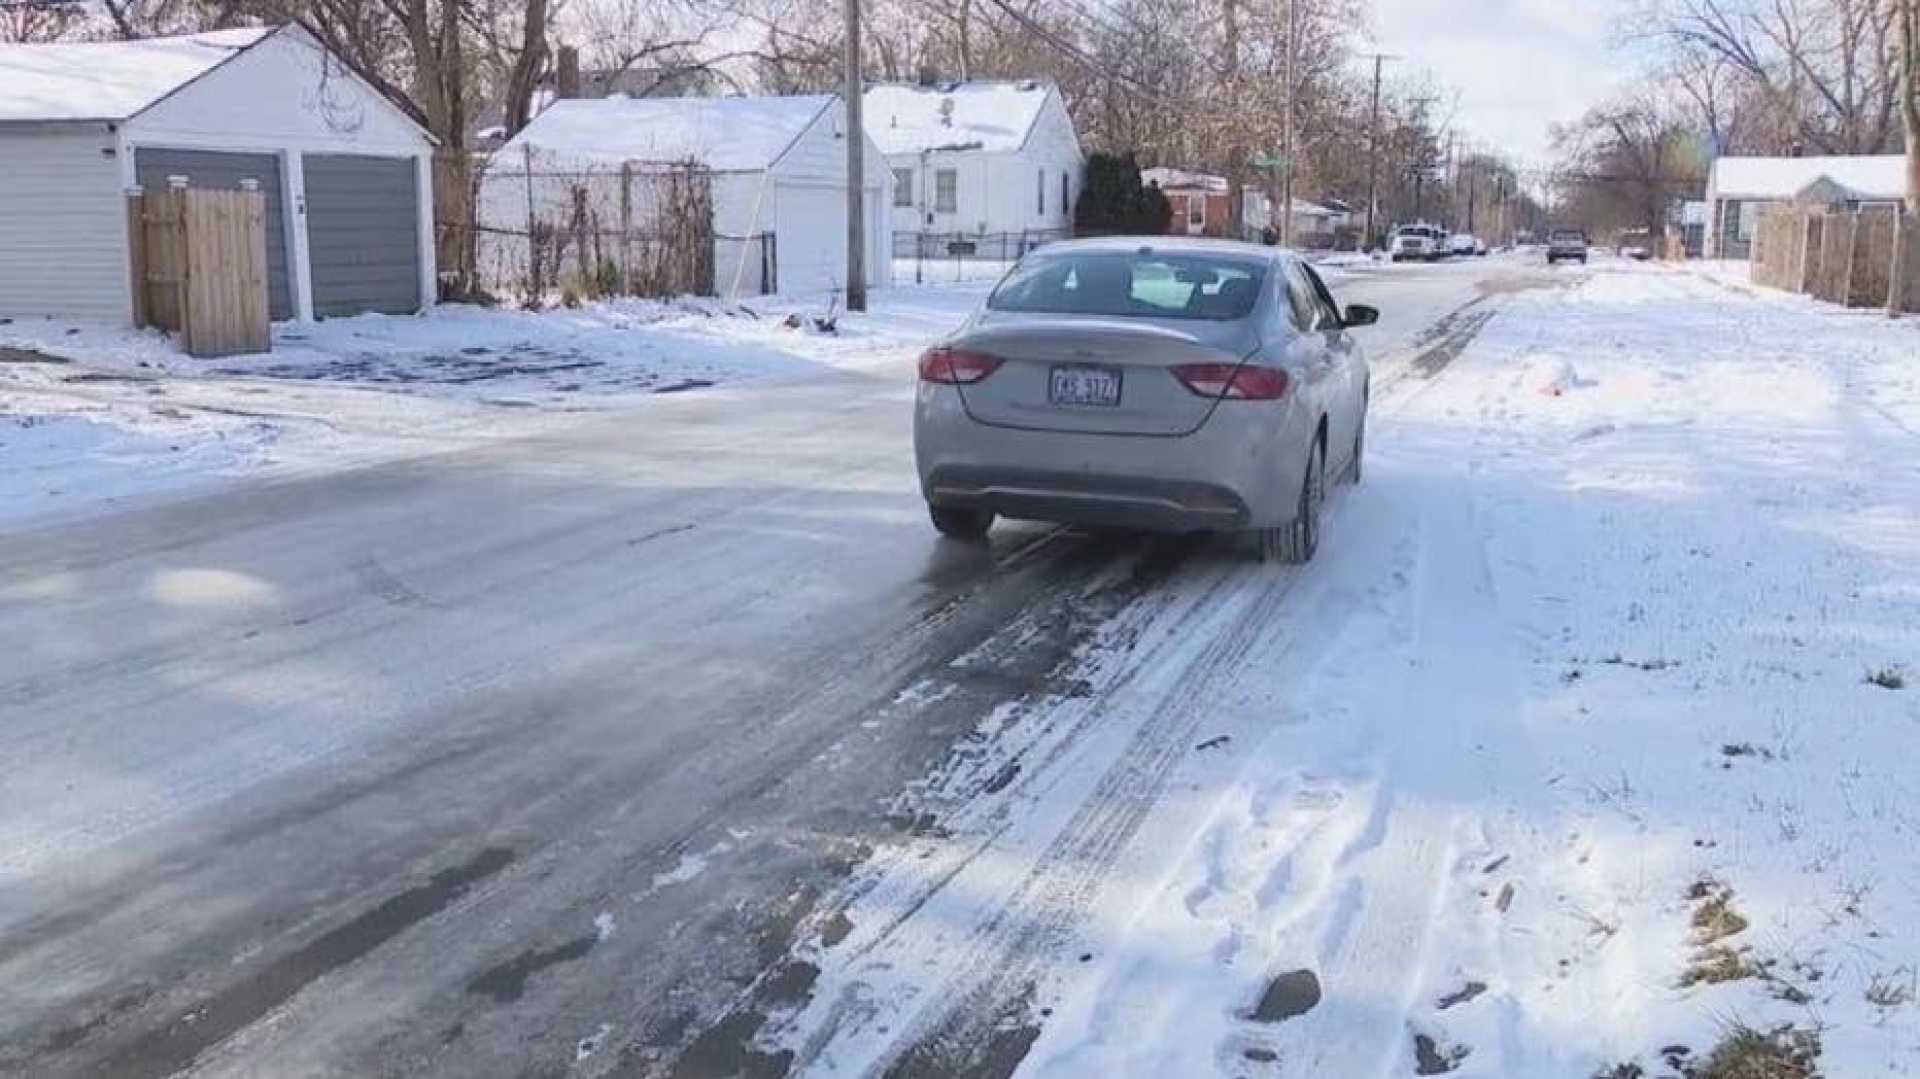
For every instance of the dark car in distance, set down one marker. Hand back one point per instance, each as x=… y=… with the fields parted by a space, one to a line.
x=1566 y=244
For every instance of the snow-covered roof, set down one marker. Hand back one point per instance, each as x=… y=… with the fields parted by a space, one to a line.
x=1881 y=176
x=108 y=80
x=1170 y=178
x=726 y=134
x=990 y=116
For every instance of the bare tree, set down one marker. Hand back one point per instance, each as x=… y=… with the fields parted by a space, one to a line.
x=1625 y=161
x=1829 y=67
x=37 y=21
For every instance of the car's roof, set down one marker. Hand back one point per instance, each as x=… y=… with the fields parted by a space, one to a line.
x=1165 y=245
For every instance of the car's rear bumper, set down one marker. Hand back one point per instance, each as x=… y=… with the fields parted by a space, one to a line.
x=1240 y=470
x=1092 y=499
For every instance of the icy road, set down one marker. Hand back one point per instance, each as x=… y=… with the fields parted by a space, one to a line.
x=672 y=742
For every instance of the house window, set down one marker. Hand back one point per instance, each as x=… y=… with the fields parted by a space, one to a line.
x=1040 y=191
x=903 y=187
x=1066 y=201
x=1749 y=217
x=946 y=191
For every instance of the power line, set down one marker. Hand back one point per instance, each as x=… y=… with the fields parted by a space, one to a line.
x=1074 y=52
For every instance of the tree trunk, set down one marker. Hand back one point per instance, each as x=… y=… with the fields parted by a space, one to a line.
x=526 y=67
x=1908 y=14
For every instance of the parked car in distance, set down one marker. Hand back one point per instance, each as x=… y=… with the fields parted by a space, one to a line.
x=1465 y=243
x=1420 y=242
x=1566 y=244
x=1172 y=385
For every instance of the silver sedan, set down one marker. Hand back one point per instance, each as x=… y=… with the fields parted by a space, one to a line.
x=1156 y=383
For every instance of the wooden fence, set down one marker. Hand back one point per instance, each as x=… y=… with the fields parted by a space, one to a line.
x=198 y=261
x=1860 y=258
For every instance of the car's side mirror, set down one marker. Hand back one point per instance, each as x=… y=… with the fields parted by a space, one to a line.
x=1359 y=314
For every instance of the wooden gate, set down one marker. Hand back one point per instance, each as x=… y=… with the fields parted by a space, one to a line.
x=199 y=265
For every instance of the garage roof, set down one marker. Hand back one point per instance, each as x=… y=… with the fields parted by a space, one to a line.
x=1881 y=176
x=108 y=80
x=726 y=134
x=994 y=117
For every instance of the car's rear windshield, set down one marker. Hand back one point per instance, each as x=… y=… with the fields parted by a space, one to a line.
x=1133 y=284
x=1415 y=231
x=1567 y=235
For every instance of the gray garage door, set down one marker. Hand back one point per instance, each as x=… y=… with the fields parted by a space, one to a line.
x=206 y=168
x=362 y=234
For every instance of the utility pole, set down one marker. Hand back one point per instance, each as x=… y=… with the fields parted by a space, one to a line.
x=1286 y=192
x=1373 y=148
x=856 y=167
x=1471 y=178
x=1236 y=165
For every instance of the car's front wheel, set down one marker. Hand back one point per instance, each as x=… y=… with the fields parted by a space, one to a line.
x=1294 y=543
x=960 y=522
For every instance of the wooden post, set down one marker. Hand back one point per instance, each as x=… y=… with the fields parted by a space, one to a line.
x=137 y=254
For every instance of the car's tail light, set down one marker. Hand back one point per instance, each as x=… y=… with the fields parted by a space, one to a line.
x=1236 y=382
x=956 y=366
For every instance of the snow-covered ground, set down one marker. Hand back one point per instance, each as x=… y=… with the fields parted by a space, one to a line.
x=90 y=413
x=1585 y=742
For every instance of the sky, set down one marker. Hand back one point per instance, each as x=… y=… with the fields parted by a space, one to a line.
x=1517 y=65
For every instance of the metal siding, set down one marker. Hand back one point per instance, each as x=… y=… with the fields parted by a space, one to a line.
x=217 y=169
x=363 y=234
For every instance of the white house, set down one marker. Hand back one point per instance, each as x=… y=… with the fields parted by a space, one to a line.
x=1739 y=188
x=778 y=169
x=976 y=157
x=346 y=173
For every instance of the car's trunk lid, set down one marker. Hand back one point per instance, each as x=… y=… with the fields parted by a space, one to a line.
x=1025 y=391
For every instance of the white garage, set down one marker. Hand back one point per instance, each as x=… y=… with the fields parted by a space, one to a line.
x=345 y=173
x=778 y=181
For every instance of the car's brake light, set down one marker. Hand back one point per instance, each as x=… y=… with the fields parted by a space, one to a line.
x=1236 y=382
x=956 y=366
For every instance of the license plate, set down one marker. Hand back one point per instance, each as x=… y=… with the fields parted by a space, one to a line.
x=1085 y=386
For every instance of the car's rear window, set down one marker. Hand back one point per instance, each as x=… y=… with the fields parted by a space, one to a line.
x=1569 y=237
x=1141 y=284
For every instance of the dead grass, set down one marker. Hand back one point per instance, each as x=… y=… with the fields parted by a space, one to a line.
x=1887 y=678
x=1785 y=1052
x=1715 y=918
x=1719 y=963
x=1894 y=989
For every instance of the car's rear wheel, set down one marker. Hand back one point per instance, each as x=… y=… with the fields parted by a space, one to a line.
x=1296 y=542
x=960 y=522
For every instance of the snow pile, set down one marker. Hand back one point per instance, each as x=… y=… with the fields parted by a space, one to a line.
x=108 y=80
